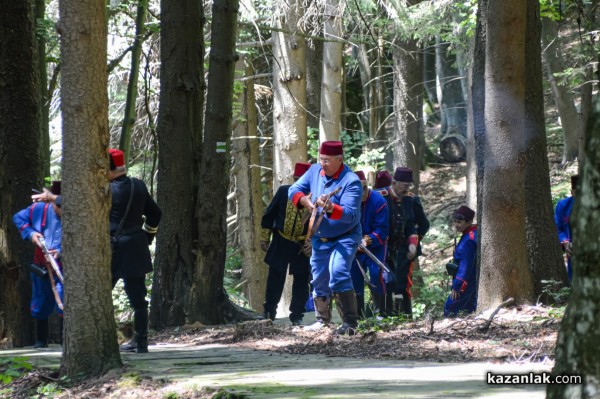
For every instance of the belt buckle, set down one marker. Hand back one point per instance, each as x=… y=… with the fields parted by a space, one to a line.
x=324 y=239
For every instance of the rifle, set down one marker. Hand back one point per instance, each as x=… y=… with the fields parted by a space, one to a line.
x=314 y=223
x=374 y=258
x=50 y=259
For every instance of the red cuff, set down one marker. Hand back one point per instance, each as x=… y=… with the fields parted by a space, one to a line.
x=413 y=240
x=463 y=287
x=378 y=237
x=337 y=212
x=296 y=198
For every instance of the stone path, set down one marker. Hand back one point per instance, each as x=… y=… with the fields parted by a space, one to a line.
x=269 y=375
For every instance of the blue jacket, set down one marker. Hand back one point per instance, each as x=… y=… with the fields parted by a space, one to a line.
x=562 y=218
x=345 y=217
x=375 y=220
x=40 y=217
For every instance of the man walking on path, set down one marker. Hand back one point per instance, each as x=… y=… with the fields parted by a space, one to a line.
x=337 y=233
x=284 y=220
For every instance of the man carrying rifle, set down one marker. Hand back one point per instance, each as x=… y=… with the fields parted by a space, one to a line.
x=408 y=224
x=40 y=223
x=335 y=233
x=285 y=222
x=375 y=225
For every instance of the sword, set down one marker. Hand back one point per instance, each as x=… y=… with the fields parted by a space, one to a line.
x=362 y=270
x=374 y=258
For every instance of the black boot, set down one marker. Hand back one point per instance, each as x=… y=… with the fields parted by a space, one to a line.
x=346 y=303
x=322 y=313
x=360 y=306
x=267 y=314
x=139 y=342
x=406 y=307
x=41 y=334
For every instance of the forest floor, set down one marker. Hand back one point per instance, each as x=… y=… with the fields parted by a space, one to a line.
x=514 y=335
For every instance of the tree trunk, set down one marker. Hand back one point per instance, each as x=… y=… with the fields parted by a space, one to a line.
x=544 y=253
x=331 y=90
x=45 y=95
x=577 y=350
x=132 y=84
x=314 y=73
x=504 y=270
x=90 y=338
x=408 y=100
x=179 y=131
x=289 y=92
x=452 y=102
x=20 y=164
x=569 y=119
x=246 y=172
x=213 y=305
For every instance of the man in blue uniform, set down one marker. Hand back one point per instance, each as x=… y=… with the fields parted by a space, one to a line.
x=284 y=220
x=408 y=225
x=42 y=220
x=134 y=218
x=463 y=296
x=562 y=218
x=336 y=238
x=375 y=224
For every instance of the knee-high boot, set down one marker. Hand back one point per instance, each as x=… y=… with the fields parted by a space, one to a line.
x=346 y=303
x=322 y=313
x=41 y=334
x=360 y=306
x=139 y=342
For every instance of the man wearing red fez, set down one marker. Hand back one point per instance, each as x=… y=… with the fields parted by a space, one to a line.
x=463 y=296
x=282 y=227
x=374 y=221
x=41 y=220
x=408 y=225
x=133 y=218
x=336 y=238
x=562 y=218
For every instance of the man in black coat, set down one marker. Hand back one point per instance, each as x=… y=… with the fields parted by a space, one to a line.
x=134 y=218
x=284 y=220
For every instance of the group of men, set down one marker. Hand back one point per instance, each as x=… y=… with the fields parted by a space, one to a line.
x=134 y=218
x=353 y=231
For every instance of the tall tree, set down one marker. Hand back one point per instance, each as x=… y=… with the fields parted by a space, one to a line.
x=208 y=292
x=179 y=131
x=20 y=163
x=504 y=271
x=132 y=83
x=289 y=91
x=544 y=253
x=331 y=89
x=246 y=172
x=577 y=349
x=90 y=344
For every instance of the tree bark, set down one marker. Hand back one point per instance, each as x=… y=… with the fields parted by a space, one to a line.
x=452 y=102
x=179 y=131
x=577 y=349
x=289 y=92
x=543 y=249
x=331 y=90
x=569 y=119
x=314 y=72
x=213 y=305
x=20 y=164
x=129 y=116
x=504 y=270
x=90 y=338
x=246 y=172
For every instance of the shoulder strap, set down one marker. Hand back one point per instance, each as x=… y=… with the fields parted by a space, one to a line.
x=118 y=231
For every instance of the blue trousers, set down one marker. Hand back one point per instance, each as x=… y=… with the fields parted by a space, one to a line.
x=375 y=275
x=330 y=264
x=43 y=303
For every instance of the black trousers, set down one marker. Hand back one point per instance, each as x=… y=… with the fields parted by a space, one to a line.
x=300 y=288
x=135 y=288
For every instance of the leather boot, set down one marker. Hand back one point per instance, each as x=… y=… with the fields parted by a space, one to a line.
x=41 y=334
x=267 y=314
x=360 y=306
x=139 y=342
x=346 y=302
x=406 y=306
x=322 y=313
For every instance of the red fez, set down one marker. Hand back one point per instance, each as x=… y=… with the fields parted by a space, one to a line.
x=574 y=180
x=464 y=213
x=383 y=179
x=117 y=158
x=331 y=148
x=403 y=175
x=361 y=175
x=55 y=188
x=300 y=168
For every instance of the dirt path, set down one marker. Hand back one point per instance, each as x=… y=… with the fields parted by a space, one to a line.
x=186 y=370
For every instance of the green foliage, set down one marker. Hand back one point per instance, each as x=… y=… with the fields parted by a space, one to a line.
x=13 y=367
x=231 y=279
x=123 y=311
x=433 y=294
x=557 y=291
x=374 y=324
x=47 y=391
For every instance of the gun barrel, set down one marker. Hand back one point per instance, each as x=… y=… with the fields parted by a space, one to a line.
x=51 y=259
